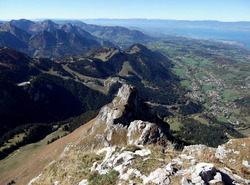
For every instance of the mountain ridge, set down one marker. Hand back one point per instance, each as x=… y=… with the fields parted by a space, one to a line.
x=132 y=160
x=145 y=111
x=26 y=30
x=30 y=37
x=99 y=73
x=59 y=43
x=19 y=33
x=116 y=34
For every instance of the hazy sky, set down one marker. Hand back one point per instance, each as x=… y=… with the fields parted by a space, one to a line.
x=222 y=10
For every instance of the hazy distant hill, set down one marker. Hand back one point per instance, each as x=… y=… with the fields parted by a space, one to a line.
x=165 y=23
x=59 y=43
x=72 y=39
x=50 y=26
x=49 y=40
x=17 y=32
x=70 y=28
x=26 y=25
x=9 y=40
x=34 y=27
x=116 y=34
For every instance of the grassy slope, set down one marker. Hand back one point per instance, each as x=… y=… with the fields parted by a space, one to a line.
x=77 y=164
x=26 y=164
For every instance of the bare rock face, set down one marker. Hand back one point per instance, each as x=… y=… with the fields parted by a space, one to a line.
x=127 y=120
x=115 y=142
x=197 y=149
x=121 y=161
x=149 y=133
x=159 y=176
x=139 y=164
x=125 y=108
x=84 y=182
x=203 y=173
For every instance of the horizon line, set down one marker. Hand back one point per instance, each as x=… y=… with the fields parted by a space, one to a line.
x=122 y=19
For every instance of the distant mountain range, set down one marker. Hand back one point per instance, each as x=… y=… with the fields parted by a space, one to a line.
x=116 y=34
x=51 y=40
x=48 y=25
x=238 y=32
x=166 y=23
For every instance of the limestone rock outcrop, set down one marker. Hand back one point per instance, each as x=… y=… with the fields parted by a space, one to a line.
x=126 y=139
x=203 y=173
x=128 y=120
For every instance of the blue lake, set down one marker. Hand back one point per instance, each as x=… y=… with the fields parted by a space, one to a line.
x=238 y=36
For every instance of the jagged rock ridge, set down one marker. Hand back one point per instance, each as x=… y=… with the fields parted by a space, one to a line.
x=47 y=39
x=37 y=39
x=149 y=164
x=123 y=149
x=127 y=120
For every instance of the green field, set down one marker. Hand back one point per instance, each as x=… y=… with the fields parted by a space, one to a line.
x=208 y=87
x=22 y=155
x=219 y=74
x=174 y=124
x=229 y=95
x=190 y=61
x=185 y=83
x=179 y=71
x=15 y=139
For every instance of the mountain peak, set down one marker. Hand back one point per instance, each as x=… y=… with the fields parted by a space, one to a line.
x=135 y=48
x=48 y=22
x=72 y=28
x=17 y=32
x=26 y=25
x=104 y=54
x=129 y=116
x=21 y=21
x=68 y=24
x=48 y=25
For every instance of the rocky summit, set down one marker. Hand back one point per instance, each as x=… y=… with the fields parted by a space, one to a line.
x=125 y=144
x=127 y=120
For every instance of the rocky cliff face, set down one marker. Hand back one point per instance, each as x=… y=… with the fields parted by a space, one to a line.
x=126 y=145
x=150 y=164
x=127 y=120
